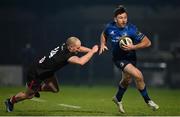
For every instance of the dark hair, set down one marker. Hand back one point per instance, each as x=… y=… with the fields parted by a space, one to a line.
x=119 y=10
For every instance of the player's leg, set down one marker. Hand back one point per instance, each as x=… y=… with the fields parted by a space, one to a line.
x=50 y=84
x=33 y=86
x=17 y=98
x=136 y=73
x=123 y=85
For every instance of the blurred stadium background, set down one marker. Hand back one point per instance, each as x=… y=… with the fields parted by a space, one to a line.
x=30 y=28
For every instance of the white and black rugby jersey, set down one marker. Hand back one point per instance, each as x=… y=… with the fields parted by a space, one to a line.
x=56 y=59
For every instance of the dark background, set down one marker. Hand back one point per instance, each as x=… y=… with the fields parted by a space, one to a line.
x=46 y=23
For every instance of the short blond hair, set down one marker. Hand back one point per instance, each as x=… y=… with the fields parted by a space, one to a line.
x=72 y=41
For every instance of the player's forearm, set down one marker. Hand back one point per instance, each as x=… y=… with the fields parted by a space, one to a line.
x=84 y=59
x=84 y=49
x=103 y=39
x=143 y=44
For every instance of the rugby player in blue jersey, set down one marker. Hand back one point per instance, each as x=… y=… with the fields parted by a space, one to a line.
x=125 y=57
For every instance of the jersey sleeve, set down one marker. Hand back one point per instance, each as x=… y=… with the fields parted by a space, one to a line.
x=106 y=31
x=137 y=35
x=69 y=56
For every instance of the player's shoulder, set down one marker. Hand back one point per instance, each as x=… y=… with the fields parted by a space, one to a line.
x=110 y=25
x=131 y=26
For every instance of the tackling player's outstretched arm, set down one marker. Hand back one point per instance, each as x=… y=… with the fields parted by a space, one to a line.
x=84 y=49
x=103 y=46
x=84 y=59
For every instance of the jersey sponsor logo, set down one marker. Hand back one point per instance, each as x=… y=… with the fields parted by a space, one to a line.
x=116 y=39
x=112 y=33
x=42 y=59
x=138 y=33
x=113 y=40
x=51 y=54
x=124 y=34
x=62 y=47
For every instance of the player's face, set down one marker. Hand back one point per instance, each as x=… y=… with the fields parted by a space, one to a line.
x=75 y=47
x=121 y=19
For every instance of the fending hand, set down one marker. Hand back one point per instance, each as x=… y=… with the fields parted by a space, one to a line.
x=102 y=49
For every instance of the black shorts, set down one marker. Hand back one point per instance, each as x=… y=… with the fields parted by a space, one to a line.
x=36 y=76
x=33 y=82
x=121 y=64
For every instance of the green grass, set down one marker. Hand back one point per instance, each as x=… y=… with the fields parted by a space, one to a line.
x=95 y=101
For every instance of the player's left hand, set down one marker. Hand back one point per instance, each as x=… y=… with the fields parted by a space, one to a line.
x=128 y=47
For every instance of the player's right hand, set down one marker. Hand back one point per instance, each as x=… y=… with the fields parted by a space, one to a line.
x=102 y=49
x=95 y=48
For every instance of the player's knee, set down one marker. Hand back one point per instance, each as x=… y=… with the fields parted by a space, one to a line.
x=139 y=79
x=23 y=95
x=129 y=81
x=139 y=76
x=29 y=96
x=126 y=82
x=56 y=90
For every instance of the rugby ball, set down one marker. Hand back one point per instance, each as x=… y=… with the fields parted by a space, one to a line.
x=125 y=41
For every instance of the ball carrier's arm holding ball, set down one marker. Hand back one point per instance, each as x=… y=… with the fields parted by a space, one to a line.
x=124 y=57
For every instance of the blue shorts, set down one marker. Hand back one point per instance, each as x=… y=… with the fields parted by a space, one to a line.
x=121 y=64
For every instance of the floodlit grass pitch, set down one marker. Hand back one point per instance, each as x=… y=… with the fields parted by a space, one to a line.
x=94 y=101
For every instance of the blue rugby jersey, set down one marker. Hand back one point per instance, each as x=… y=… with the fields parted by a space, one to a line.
x=113 y=33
